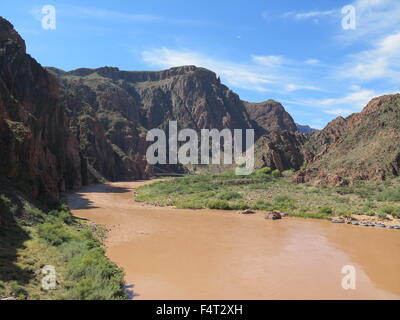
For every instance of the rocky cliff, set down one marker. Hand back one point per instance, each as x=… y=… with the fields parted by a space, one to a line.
x=305 y=129
x=37 y=152
x=363 y=146
x=269 y=116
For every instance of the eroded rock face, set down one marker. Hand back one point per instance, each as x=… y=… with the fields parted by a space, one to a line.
x=37 y=151
x=269 y=116
x=280 y=150
x=111 y=110
x=364 y=146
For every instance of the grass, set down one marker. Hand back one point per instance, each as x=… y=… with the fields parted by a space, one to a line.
x=31 y=238
x=266 y=190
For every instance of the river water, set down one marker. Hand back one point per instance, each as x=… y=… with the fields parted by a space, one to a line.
x=170 y=253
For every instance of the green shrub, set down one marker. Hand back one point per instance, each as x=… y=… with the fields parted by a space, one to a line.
x=188 y=204
x=241 y=205
x=18 y=291
x=59 y=215
x=389 y=195
x=54 y=233
x=263 y=171
x=218 y=204
x=280 y=199
x=394 y=211
x=325 y=210
x=229 y=195
x=276 y=173
x=381 y=215
x=6 y=205
x=262 y=204
x=98 y=278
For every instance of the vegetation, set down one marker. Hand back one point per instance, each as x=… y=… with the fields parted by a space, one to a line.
x=31 y=239
x=267 y=189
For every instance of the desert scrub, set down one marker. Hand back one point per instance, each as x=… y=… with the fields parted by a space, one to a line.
x=389 y=209
x=389 y=195
x=261 y=191
x=276 y=173
x=56 y=238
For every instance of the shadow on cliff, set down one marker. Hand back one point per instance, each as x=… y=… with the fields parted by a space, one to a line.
x=12 y=239
x=105 y=188
x=79 y=201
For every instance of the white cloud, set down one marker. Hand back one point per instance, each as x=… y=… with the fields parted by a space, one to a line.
x=382 y=61
x=270 y=61
x=313 y=14
x=339 y=112
x=262 y=73
x=352 y=102
x=375 y=18
x=358 y=98
x=312 y=61
x=239 y=75
x=294 y=87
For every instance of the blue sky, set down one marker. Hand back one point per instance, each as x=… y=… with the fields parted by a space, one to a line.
x=295 y=52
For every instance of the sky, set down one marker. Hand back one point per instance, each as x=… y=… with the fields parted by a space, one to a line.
x=296 y=52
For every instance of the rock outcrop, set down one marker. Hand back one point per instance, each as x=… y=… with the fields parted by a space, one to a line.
x=280 y=150
x=111 y=111
x=305 y=129
x=269 y=116
x=38 y=154
x=364 y=146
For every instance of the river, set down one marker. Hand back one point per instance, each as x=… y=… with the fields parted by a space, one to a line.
x=170 y=253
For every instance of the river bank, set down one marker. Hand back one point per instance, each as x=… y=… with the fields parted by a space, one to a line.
x=170 y=253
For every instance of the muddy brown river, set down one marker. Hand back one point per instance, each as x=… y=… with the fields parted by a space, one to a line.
x=170 y=253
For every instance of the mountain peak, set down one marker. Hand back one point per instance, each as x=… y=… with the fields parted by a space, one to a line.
x=9 y=38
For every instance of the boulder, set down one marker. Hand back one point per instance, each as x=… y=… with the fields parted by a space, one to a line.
x=246 y=212
x=273 y=215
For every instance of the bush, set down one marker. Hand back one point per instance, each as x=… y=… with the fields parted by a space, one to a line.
x=218 y=204
x=18 y=291
x=59 y=215
x=394 y=211
x=7 y=208
x=98 y=278
x=381 y=215
x=188 y=204
x=54 y=233
x=262 y=204
x=229 y=195
x=280 y=199
x=263 y=171
x=325 y=210
x=276 y=173
x=239 y=206
x=389 y=195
